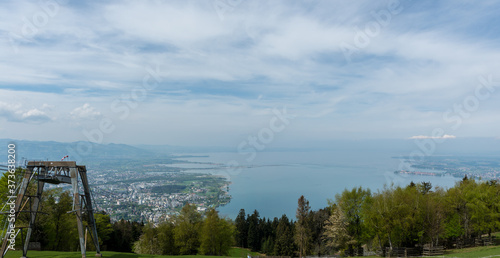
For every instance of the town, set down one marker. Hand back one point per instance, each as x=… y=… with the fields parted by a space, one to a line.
x=482 y=168
x=146 y=196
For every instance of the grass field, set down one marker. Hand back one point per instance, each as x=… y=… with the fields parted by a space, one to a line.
x=475 y=252
x=234 y=252
x=486 y=251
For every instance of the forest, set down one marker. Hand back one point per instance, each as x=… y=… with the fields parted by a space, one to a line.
x=357 y=220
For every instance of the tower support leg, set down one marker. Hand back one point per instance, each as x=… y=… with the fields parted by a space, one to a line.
x=90 y=212
x=33 y=211
x=78 y=209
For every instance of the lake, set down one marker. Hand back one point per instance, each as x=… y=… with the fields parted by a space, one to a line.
x=273 y=181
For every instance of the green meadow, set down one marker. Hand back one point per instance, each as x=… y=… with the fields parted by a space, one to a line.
x=234 y=252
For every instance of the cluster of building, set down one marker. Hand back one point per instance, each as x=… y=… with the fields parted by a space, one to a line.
x=455 y=169
x=130 y=195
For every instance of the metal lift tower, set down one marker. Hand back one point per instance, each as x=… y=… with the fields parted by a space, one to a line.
x=53 y=172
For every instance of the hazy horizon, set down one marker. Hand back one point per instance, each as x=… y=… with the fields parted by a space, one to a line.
x=248 y=73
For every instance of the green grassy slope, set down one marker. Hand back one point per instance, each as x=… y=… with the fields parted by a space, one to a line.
x=486 y=251
x=474 y=252
x=234 y=252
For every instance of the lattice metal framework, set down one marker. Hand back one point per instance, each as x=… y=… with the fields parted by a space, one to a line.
x=54 y=172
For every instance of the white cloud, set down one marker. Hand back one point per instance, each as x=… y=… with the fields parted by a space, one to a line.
x=416 y=68
x=164 y=22
x=46 y=106
x=15 y=113
x=446 y=136
x=86 y=112
x=35 y=115
x=301 y=37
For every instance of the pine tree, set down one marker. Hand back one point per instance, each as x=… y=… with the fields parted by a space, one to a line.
x=284 y=244
x=254 y=237
x=242 y=229
x=302 y=231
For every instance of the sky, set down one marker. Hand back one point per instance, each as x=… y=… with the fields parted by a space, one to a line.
x=239 y=73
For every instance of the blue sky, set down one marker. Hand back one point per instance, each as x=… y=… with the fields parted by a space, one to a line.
x=210 y=73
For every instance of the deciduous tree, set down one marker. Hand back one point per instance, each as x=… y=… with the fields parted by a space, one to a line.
x=187 y=228
x=216 y=235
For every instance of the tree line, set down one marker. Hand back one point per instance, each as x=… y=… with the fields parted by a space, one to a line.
x=411 y=216
x=55 y=229
x=395 y=216
x=188 y=234
x=283 y=236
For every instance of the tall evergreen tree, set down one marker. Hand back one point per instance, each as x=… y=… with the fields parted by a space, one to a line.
x=317 y=227
x=284 y=244
x=302 y=230
x=254 y=237
x=241 y=229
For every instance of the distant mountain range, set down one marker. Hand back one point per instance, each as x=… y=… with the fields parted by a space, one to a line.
x=78 y=151
x=86 y=152
x=97 y=153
